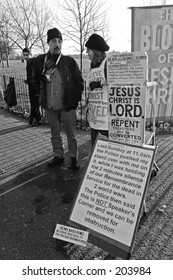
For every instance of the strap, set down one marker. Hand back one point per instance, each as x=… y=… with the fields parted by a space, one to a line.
x=58 y=59
x=45 y=60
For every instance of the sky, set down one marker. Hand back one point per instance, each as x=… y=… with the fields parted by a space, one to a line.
x=120 y=22
x=119 y=16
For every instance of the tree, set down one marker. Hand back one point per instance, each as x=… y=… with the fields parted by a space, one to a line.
x=25 y=22
x=79 y=19
x=4 y=45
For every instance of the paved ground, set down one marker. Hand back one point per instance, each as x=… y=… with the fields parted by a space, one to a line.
x=33 y=199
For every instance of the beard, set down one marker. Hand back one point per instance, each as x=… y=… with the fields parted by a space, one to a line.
x=55 y=56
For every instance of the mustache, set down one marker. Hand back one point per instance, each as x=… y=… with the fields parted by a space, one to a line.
x=57 y=48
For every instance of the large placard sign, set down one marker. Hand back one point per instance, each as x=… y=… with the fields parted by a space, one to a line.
x=127 y=77
x=127 y=68
x=110 y=196
x=127 y=114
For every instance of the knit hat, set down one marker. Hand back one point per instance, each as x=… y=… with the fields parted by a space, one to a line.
x=53 y=33
x=96 y=42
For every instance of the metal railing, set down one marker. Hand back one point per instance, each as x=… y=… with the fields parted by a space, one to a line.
x=23 y=104
x=22 y=95
x=23 y=107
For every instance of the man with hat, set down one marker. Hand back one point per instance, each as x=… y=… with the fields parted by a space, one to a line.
x=59 y=81
x=97 y=86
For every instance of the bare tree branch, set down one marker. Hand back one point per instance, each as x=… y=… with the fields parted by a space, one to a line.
x=25 y=22
x=78 y=19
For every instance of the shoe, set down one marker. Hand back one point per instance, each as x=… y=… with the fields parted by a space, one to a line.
x=30 y=121
x=36 y=123
x=56 y=161
x=75 y=163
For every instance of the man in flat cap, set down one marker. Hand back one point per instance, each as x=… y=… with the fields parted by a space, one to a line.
x=58 y=79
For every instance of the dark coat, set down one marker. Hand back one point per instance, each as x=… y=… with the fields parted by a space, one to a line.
x=71 y=76
x=29 y=69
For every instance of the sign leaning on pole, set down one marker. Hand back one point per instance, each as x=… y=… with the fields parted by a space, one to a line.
x=111 y=193
x=127 y=78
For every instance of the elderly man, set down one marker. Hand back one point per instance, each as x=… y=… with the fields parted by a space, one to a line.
x=59 y=81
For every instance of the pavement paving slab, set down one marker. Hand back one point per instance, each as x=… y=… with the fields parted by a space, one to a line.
x=33 y=198
x=22 y=146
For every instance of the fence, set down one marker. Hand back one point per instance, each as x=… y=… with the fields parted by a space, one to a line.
x=22 y=94
x=23 y=104
x=23 y=107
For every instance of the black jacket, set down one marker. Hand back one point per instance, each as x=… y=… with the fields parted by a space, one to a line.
x=29 y=69
x=71 y=76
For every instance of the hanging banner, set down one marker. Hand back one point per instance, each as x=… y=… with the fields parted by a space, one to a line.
x=152 y=32
x=127 y=79
x=110 y=197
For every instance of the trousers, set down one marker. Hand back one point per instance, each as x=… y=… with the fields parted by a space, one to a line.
x=34 y=102
x=66 y=120
x=95 y=132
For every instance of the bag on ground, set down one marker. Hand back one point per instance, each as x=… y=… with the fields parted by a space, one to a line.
x=10 y=94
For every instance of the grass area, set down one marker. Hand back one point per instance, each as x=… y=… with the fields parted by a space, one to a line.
x=18 y=68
